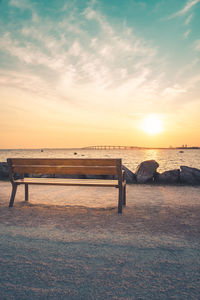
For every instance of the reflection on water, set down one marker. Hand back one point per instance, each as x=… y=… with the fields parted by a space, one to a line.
x=151 y=154
x=167 y=159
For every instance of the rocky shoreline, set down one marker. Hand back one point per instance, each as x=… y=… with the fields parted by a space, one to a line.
x=145 y=173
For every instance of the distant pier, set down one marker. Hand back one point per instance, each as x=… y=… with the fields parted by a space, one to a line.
x=110 y=147
x=107 y=147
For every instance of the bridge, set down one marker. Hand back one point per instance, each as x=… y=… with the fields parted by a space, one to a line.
x=109 y=147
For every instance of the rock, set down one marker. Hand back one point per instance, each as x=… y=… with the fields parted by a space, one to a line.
x=4 y=174
x=189 y=175
x=168 y=177
x=146 y=171
x=129 y=176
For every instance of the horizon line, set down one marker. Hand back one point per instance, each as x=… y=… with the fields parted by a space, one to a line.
x=106 y=147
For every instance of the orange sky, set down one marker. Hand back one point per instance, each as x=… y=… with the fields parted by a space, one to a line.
x=90 y=74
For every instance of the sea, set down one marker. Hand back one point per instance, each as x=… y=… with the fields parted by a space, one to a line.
x=167 y=159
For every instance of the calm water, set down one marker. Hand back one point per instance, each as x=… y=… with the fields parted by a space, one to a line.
x=167 y=159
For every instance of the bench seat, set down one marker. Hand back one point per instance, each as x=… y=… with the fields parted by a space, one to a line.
x=66 y=181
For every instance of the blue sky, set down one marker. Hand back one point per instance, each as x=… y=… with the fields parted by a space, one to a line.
x=88 y=69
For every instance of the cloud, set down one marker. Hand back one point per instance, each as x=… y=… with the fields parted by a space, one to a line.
x=186 y=8
x=91 y=14
x=26 y=82
x=188 y=20
x=20 y=3
x=186 y=34
x=29 y=53
x=173 y=91
x=23 y=5
x=106 y=63
x=83 y=60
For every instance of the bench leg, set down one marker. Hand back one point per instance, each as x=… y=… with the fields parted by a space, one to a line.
x=12 y=198
x=124 y=194
x=26 y=192
x=120 y=199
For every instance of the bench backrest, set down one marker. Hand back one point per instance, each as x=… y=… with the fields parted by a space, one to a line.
x=67 y=166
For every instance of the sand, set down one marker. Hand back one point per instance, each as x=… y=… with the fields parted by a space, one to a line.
x=70 y=243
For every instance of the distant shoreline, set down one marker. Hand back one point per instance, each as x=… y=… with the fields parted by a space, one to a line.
x=106 y=148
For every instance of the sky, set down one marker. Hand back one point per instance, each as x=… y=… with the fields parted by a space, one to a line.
x=100 y=72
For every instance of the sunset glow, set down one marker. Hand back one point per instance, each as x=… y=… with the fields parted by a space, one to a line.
x=152 y=124
x=79 y=73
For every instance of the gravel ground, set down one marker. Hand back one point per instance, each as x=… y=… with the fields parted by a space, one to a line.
x=70 y=243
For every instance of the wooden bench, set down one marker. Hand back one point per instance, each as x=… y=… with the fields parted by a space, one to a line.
x=61 y=166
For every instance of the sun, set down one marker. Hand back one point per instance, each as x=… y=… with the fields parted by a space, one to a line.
x=152 y=124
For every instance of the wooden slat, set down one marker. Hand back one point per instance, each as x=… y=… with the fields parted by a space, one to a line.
x=76 y=170
x=68 y=182
x=65 y=161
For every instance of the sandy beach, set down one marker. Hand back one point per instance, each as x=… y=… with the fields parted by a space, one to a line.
x=70 y=243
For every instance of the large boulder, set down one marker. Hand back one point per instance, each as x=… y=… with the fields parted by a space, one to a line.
x=146 y=171
x=4 y=174
x=189 y=175
x=129 y=176
x=168 y=177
